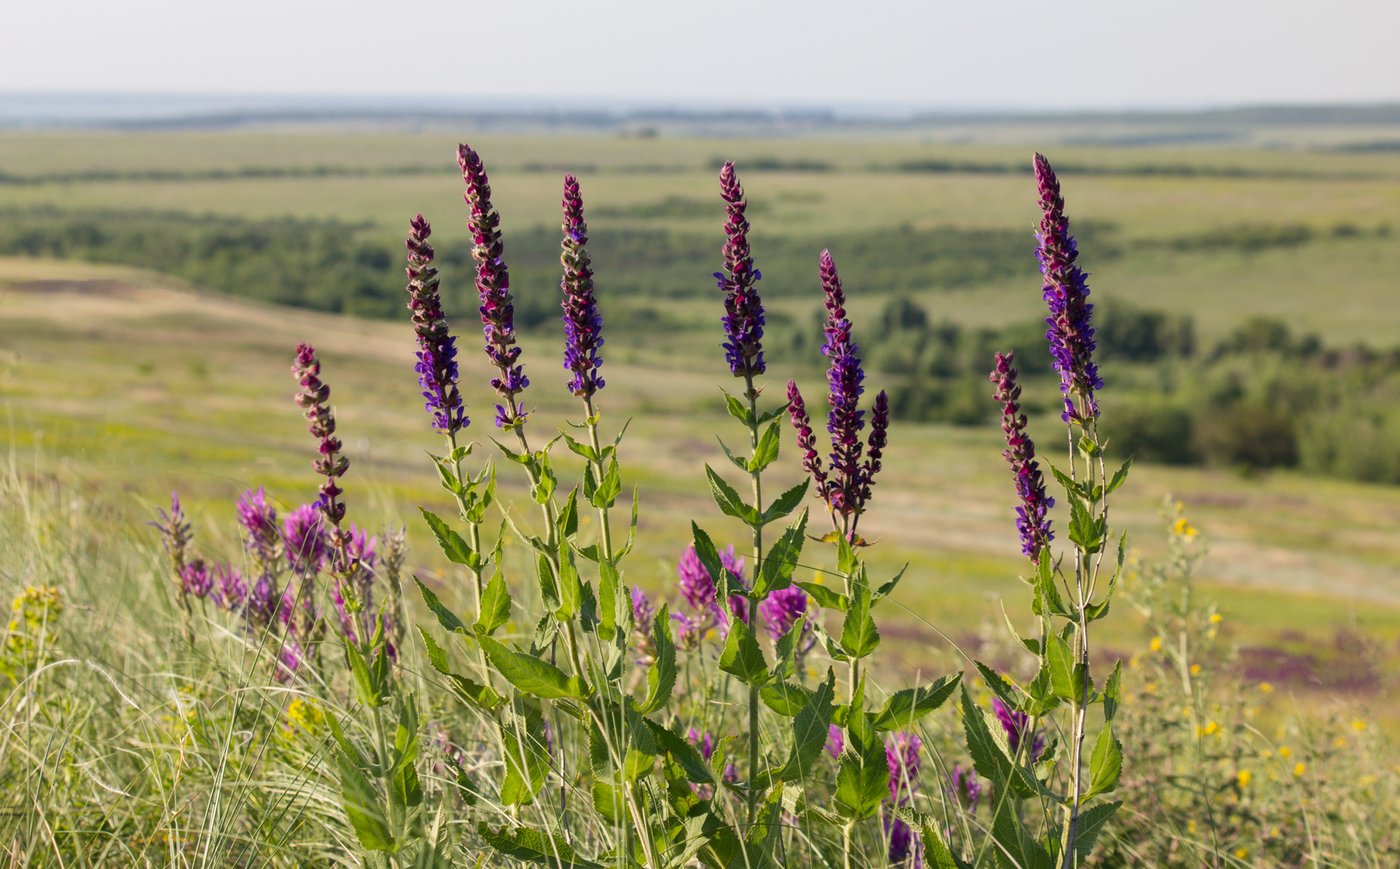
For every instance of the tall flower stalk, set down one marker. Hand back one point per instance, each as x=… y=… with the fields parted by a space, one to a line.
x=846 y=489
x=1066 y=598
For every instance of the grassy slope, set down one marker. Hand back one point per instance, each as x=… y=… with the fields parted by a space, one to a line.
x=162 y=389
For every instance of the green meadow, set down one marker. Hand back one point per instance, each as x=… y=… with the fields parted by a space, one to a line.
x=130 y=383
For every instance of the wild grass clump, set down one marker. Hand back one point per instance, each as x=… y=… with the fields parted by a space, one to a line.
x=271 y=706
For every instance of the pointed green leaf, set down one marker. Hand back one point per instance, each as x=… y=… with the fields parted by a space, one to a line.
x=661 y=676
x=859 y=635
x=907 y=706
x=825 y=596
x=457 y=550
x=363 y=807
x=776 y=571
x=1106 y=763
x=529 y=673
x=742 y=657
x=786 y=502
x=495 y=606
x=728 y=500
x=767 y=450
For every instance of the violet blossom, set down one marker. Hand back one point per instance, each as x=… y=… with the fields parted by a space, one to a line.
x=1032 y=519
x=437 y=349
x=1017 y=726
x=583 y=326
x=493 y=287
x=1066 y=291
x=743 y=309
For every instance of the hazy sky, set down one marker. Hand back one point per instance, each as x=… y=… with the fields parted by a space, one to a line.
x=996 y=53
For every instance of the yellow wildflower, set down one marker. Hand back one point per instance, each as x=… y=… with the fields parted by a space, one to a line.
x=1358 y=725
x=1340 y=742
x=1285 y=752
x=1243 y=778
x=1183 y=528
x=1190 y=826
x=1216 y=618
x=1210 y=729
x=1156 y=644
x=1195 y=669
x=1241 y=853
x=1299 y=768
x=1266 y=688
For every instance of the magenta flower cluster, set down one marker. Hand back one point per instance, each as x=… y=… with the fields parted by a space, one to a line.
x=904 y=762
x=437 y=349
x=743 y=309
x=493 y=288
x=1032 y=518
x=854 y=464
x=1070 y=333
x=583 y=326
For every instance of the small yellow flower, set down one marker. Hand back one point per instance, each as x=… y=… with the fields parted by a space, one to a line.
x=1216 y=618
x=1299 y=768
x=1266 y=688
x=1340 y=742
x=1190 y=826
x=1285 y=752
x=1358 y=725
x=1183 y=528
x=1156 y=644
x=1241 y=853
x=1210 y=729
x=1195 y=669
x=1149 y=688
x=1243 y=778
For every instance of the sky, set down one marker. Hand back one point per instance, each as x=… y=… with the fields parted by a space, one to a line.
x=991 y=54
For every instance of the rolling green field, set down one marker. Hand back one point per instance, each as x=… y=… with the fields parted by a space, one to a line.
x=133 y=384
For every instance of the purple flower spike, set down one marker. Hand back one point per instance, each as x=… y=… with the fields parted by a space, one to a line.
x=782 y=608
x=835 y=741
x=437 y=349
x=902 y=756
x=1031 y=514
x=493 y=286
x=1017 y=725
x=314 y=399
x=698 y=589
x=806 y=441
x=1066 y=291
x=263 y=602
x=230 y=589
x=965 y=787
x=643 y=613
x=846 y=380
x=304 y=536
x=196 y=580
x=259 y=521
x=289 y=661
x=174 y=528
x=875 y=447
x=743 y=309
x=583 y=326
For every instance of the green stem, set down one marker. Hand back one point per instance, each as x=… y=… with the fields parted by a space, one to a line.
x=756 y=476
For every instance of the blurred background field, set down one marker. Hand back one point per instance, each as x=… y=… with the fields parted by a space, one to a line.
x=154 y=282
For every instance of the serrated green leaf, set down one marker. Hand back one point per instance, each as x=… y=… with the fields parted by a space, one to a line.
x=1091 y=822
x=1059 y=662
x=495 y=606
x=767 y=450
x=728 y=500
x=1087 y=530
x=785 y=698
x=1120 y=476
x=568 y=515
x=530 y=674
x=526 y=760
x=534 y=847
x=738 y=462
x=810 y=730
x=469 y=691
x=610 y=598
x=742 y=657
x=1075 y=489
x=824 y=596
x=457 y=550
x=859 y=635
x=776 y=571
x=661 y=675
x=682 y=752
x=737 y=409
x=1105 y=764
x=363 y=807
x=609 y=488
x=785 y=503
x=905 y=707
x=1112 y=691
x=1015 y=847
x=584 y=451
x=888 y=588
